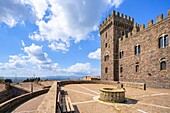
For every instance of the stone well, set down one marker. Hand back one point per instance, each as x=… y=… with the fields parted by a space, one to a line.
x=112 y=95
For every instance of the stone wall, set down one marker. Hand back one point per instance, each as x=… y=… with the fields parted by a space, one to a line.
x=11 y=93
x=48 y=105
x=150 y=57
x=4 y=107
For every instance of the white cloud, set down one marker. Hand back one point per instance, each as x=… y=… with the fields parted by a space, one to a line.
x=96 y=54
x=58 y=46
x=36 y=55
x=35 y=60
x=82 y=69
x=38 y=7
x=59 y=22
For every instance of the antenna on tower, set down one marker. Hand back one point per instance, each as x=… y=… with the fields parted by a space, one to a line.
x=15 y=77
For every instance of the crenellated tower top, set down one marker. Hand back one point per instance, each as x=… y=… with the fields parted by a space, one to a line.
x=139 y=28
x=118 y=17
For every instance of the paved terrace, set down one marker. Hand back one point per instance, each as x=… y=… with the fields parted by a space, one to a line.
x=85 y=100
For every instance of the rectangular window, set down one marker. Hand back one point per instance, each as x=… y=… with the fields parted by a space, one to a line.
x=106 y=58
x=161 y=42
x=166 y=41
x=121 y=54
x=136 y=50
x=139 y=49
x=121 y=69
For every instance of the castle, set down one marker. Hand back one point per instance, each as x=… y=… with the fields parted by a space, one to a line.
x=131 y=52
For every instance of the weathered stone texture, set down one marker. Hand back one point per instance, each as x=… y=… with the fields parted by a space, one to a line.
x=118 y=25
x=111 y=29
x=149 y=58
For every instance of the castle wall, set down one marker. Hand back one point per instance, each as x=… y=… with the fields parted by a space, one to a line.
x=107 y=38
x=149 y=58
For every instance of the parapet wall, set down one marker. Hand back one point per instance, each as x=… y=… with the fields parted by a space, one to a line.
x=125 y=84
x=139 y=28
x=48 y=105
x=6 y=106
x=11 y=93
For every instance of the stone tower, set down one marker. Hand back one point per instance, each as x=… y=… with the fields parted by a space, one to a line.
x=111 y=29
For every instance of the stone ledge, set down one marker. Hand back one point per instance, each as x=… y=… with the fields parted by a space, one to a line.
x=48 y=105
x=125 y=84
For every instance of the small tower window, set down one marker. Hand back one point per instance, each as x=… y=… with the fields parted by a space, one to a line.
x=121 y=54
x=137 y=49
x=106 y=34
x=105 y=45
x=121 y=69
x=106 y=70
x=163 y=41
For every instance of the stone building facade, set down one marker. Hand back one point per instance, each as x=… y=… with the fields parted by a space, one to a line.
x=131 y=52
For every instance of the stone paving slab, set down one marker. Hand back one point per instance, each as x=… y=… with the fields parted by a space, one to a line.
x=85 y=100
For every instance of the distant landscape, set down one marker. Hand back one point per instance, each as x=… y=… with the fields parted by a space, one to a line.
x=20 y=79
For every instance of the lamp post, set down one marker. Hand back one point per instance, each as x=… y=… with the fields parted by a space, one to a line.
x=32 y=83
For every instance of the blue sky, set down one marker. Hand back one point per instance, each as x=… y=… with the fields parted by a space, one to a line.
x=61 y=37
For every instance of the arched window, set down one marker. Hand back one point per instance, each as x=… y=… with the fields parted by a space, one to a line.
x=163 y=65
x=137 y=49
x=163 y=41
x=106 y=58
x=137 y=67
x=106 y=70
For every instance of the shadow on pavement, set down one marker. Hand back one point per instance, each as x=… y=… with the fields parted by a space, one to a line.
x=76 y=109
x=131 y=101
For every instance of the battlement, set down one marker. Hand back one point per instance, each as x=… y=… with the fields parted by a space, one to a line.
x=139 y=28
x=113 y=15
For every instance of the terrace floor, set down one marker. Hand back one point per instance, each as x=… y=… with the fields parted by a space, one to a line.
x=85 y=100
